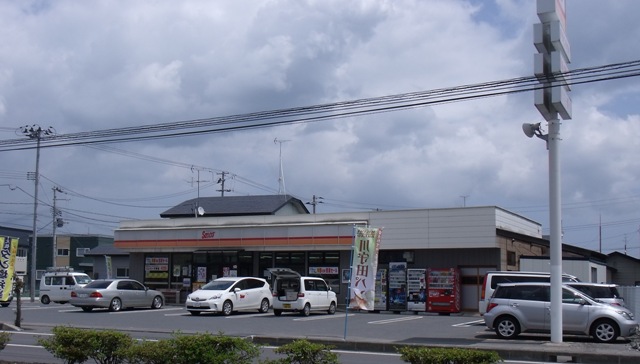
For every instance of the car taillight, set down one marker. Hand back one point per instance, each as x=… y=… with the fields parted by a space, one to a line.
x=300 y=294
x=73 y=294
x=95 y=294
x=490 y=306
x=484 y=286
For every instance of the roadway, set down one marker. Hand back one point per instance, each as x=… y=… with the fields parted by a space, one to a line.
x=352 y=332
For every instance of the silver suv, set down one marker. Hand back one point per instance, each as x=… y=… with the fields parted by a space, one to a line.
x=525 y=307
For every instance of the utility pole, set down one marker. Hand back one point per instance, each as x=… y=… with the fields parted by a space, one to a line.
x=314 y=202
x=221 y=181
x=57 y=222
x=35 y=132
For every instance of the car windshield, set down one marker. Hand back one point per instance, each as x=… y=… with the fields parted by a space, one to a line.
x=83 y=279
x=217 y=285
x=98 y=284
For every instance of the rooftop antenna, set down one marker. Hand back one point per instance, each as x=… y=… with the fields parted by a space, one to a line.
x=281 y=187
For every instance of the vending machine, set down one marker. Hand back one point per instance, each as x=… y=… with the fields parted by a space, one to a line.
x=417 y=290
x=443 y=286
x=398 y=286
x=380 y=298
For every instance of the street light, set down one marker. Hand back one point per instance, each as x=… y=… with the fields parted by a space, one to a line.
x=35 y=132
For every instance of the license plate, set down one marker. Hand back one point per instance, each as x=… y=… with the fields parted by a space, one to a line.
x=82 y=295
x=196 y=304
x=286 y=305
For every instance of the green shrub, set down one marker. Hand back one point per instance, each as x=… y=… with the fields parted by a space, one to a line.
x=305 y=352
x=77 y=345
x=422 y=355
x=150 y=352
x=5 y=337
x=212 y=349
x=67 y=343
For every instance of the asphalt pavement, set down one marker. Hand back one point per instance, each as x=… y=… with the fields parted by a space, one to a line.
x=573 y=351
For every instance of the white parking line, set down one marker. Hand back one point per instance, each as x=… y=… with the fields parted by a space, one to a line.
x=470 y=323
x=390 y=321
x=323 y=317
x=248 y=315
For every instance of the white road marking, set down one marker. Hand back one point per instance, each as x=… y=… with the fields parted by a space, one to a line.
x=390 y=321
x=323 y=317
x=470 y=323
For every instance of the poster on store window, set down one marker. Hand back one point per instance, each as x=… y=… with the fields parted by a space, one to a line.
x=363 y=267
x=417 y=290
x=398 y=286
x=380 y=300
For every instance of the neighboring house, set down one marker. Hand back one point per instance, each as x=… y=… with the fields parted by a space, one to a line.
x=625 y=269
x=71 y=252
x=109 y=262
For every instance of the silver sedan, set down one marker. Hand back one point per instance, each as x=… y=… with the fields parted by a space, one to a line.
x=116 y=294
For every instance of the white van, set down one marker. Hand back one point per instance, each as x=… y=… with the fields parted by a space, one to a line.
x=56 y=286
x=493 y=278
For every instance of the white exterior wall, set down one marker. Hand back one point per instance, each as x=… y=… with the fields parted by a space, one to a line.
x=469 y=227
x=579 y=268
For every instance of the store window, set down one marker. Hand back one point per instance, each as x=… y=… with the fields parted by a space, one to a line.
x=245 y=264
x=156 y=270
x=292 y=260
x=327 y=266
x=180 y=270
x=265 y=261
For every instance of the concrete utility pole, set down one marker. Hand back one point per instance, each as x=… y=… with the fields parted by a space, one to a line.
x=221 y=181
x=57 y=222
x=35 y=132
x=314 y=202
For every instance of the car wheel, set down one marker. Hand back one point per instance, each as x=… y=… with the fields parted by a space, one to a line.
x=277 y=312
x=5 y=304
x=87 y=309
x=157 y=302
x=605 y=331
x=264 y=306
x=306 y=310
x=115 y=305
x=45 y=300
x=507 y=327
x=227 y=308
x=194 y=313
x=332 y=308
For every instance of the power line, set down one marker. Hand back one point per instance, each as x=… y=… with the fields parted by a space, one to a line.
x=331 y=111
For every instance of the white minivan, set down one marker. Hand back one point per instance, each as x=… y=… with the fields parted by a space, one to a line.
x=295 y=293
x=56 y=286
x=493 y=278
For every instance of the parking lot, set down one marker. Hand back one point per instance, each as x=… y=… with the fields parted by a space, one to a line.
x=361 y=330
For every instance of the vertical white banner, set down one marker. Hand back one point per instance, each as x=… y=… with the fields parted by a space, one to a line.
x=363 y=268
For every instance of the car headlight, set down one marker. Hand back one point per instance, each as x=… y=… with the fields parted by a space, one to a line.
x=625 y=314
x=215 y=296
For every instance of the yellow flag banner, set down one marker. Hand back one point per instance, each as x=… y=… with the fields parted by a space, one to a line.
x=7 y=266
x=363 y=267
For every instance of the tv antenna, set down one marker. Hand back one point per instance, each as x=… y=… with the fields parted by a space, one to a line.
x=281 y=186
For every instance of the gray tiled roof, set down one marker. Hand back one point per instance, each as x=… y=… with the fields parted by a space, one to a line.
x=236 y=206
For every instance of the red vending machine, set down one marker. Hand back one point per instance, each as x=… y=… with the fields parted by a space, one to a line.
x=443 y=286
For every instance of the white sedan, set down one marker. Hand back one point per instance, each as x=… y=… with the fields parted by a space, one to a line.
x=229 y=294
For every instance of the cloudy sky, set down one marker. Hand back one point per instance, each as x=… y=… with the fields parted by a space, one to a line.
x=81 y=66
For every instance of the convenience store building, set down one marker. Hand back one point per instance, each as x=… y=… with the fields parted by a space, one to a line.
x=246 y=235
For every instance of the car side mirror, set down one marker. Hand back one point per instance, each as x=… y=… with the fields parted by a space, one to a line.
x=582 y=301
x=237 y=289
